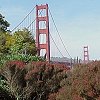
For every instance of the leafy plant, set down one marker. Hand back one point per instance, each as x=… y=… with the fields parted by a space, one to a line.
x=3 y=24
x=83 y=82
x=23 y=43
x=20 y=57
x=35 y=80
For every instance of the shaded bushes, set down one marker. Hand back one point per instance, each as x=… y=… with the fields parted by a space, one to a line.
x=83 y=83
x=35 y=80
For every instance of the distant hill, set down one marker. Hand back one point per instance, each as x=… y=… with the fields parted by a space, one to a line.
x=66 y=60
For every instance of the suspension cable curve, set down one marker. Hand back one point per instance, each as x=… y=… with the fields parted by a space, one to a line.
x=23 y=19
x=54 y=42
x=56 y=45
x=34 y=19
x=59 y=34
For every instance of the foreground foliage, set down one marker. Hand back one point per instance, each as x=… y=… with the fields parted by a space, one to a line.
x=83 y=83
x=43 y=81
x=32 y=81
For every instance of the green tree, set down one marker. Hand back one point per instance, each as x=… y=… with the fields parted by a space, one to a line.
x=3 y=33
x=5 y=42
x=23 y=43
x=18 y=46
x=3 y=24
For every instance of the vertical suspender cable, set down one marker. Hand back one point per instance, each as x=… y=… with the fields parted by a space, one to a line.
x=59 y=34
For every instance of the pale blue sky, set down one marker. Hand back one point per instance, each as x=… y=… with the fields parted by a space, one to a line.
x=78 y=22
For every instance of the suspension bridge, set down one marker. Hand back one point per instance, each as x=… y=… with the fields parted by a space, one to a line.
x=37 y=21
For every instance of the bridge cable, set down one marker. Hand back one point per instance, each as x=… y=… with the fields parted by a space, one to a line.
x=56 y=45
x=59 y=34
x=23 y=20
x=34 y=19
x=54 y=41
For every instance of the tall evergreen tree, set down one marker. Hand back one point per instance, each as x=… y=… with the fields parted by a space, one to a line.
x=3 y=24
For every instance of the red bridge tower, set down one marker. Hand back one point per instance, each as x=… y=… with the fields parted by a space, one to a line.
x=44 y=30
x=86 y=54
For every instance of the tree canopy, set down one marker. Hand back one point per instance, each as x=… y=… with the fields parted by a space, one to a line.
x=23 y=43
x=19 y=45
x=3 y=24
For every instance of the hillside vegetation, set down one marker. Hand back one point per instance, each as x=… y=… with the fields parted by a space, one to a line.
x=83 y=83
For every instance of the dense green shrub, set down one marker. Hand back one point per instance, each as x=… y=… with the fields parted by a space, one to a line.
x=20 y=57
